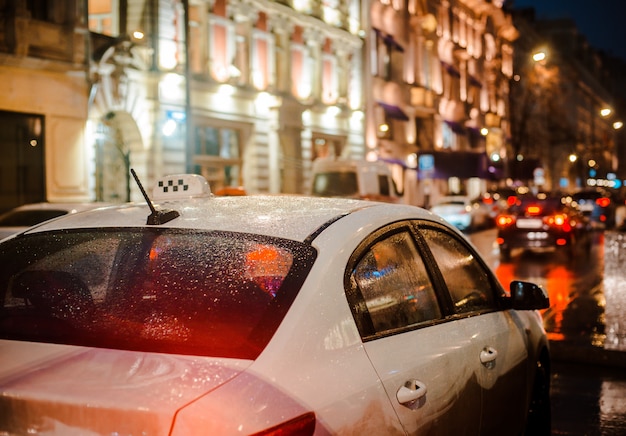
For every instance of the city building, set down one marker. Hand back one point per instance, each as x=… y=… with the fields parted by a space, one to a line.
x=44 y=92
x=261 y=89
x=438 y=93
x=565 y=123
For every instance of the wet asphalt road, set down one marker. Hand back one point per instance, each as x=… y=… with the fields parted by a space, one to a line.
x=588 y=400
x=588 y=384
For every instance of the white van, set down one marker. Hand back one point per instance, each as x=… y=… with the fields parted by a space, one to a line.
x=353 y=179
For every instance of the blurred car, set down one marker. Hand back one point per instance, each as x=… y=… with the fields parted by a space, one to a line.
x=291 y=315
x=495 y=201
x=25 y=216
x=543 y=221
x=462 y=212
x=353 y=178
x=598 y=204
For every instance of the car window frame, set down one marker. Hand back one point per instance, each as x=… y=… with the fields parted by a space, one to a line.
x=357 y=303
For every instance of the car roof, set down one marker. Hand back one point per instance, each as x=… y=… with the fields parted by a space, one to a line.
x=70 y=207
x=288 y=216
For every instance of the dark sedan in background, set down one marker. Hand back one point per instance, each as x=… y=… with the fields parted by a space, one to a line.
x=546 y=221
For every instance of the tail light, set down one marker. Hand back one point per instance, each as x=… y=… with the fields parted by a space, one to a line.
x=533 y=210
x=560 y=221
x=603 y=201
x=302 y=425
x=505 y=220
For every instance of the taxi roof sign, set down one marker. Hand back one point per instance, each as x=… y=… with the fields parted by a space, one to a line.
x=180 y=186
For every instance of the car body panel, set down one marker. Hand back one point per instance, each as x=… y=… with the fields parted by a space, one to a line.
x=437 y=357
x=127 y=392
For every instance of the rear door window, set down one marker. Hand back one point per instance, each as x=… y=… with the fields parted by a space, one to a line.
x=392 y=282
x=469 y=284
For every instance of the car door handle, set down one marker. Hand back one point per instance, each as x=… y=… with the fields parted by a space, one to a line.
x=488 y=357
x=412 y=394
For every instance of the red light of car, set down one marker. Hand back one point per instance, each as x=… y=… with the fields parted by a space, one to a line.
x=603 y=201
x=500 y=241
x=560 y=220
x=561 y=241
x=533 y=210
x=511 y=200
x=504 y=220
x=302 y=425
x=487 y=200
x=603 y=218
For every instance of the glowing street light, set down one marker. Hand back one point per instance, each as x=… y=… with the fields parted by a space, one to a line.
x=618 y=125
x=605 y=112
x=539 y=56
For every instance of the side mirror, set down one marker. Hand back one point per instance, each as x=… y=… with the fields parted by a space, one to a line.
x=528 y=296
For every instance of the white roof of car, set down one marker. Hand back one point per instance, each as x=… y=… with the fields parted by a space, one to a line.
x=288 y=216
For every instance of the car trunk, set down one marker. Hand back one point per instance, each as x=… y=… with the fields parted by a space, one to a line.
x=73 y=390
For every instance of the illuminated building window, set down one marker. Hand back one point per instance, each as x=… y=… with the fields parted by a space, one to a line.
x=330 y=85
x=218 y=155
x=262 y=54
x=301 y=74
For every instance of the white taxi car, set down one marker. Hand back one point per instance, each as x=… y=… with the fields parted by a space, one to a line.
x=194 y=314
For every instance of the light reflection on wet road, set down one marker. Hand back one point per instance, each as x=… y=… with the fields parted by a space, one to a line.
x=574 y=286
x=587 y=399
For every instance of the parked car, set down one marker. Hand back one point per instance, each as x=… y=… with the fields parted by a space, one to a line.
x=199 y=314
x=353 y=178
x=598 y=204
x=543 y=221
x=25 y=216
x=462 y=212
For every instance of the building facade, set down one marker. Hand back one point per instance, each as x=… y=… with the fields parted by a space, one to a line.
x=437 y=93
x=250 y=92
x=566 y=126
x=44 y=89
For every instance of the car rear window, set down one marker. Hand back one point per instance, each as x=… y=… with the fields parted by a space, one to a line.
x=548 y=205
x=217 y=294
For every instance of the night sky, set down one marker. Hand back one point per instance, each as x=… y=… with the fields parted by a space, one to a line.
x=602 y=22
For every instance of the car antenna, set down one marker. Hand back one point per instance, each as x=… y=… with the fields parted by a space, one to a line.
x=157 y=217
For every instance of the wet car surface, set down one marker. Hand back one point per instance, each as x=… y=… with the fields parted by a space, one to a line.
x=240 y=315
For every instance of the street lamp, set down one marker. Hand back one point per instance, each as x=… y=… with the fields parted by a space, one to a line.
x=539 y=56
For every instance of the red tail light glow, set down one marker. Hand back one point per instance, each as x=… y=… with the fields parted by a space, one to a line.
x=603 y=201
x=561 y=241
x=302 y=425
x=560 y=220
x=504 y=220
